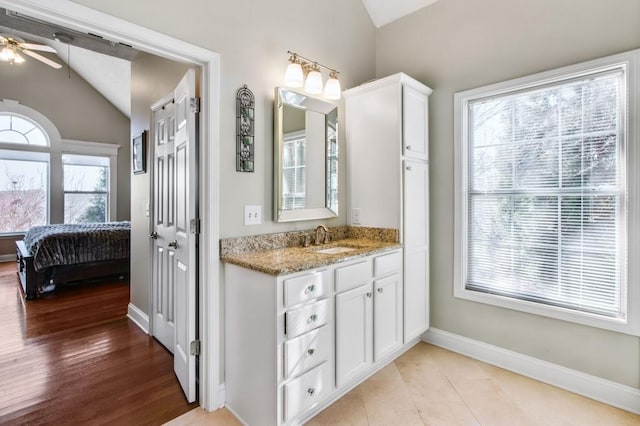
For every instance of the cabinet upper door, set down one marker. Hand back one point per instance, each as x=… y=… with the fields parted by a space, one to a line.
x=415 y=123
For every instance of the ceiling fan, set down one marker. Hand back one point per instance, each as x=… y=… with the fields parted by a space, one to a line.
x=12 y=47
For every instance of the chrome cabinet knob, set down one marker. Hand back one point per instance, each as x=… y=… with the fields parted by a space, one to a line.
x=310 y=352
x=369 y=294
x=380 y=290
x=409 y=168
x=312 y=318
x=153 y=235
x=173 y=244
x=310 y=289
x=408 y=147
x=311 y=391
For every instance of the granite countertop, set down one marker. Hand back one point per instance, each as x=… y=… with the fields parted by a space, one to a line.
x=295 y=259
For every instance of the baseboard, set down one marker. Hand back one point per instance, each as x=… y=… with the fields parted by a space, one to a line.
x=611 y=393
x=138 y=317
x=7 y=258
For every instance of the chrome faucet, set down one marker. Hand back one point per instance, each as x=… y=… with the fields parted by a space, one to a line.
x=322 y=229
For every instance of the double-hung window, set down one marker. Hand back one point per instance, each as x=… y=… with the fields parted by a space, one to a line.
x=293 y=171
x=542 y=194
x=86 y=188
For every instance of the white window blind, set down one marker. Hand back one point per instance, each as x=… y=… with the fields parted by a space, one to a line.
x=545 y=193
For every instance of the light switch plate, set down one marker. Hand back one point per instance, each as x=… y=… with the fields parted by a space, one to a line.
x=252 y=215
x=355 y=216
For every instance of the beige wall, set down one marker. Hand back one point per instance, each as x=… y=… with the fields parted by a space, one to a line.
x=152 y=78
x=77 y=110
x=252 y=38
x=455 y=45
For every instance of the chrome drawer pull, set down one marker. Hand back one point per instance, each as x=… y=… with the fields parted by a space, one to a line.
x=311 y=391
x=310 y=289
x=312 y=318
x=310 y=352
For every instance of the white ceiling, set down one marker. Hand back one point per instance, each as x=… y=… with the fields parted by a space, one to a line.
x=384 y=11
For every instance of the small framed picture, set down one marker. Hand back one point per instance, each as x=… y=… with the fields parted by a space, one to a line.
x=139 y=154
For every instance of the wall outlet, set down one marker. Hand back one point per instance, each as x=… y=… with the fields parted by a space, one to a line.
x=355 y=216
x=252 y=215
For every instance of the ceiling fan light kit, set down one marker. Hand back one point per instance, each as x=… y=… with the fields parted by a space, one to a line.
x=12 y=47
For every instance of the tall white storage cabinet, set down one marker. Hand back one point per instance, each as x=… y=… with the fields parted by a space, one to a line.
x=387 y=141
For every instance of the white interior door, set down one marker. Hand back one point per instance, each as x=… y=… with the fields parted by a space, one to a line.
x=186 y=208
x=176 y=232
x=163 y=139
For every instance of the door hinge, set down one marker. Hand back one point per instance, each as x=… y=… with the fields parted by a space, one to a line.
x=195 y=105
x=195 y=226
x=195 y=347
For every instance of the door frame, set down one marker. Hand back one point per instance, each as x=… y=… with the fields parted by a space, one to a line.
x=82 y=18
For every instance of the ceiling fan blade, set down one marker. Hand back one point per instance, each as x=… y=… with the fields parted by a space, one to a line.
x=41 y=58
x=39 y=47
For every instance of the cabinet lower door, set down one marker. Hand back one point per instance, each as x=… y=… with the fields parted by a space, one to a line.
x=416 y=293
x=354 y=333
x=387 y=316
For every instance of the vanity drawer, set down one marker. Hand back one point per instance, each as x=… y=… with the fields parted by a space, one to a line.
x=306 y=351
x=305 y=287
x=352 y=276
x=387 y=264
x=301 y=320
x=307 y=390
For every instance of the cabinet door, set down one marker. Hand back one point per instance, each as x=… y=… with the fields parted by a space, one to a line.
x=416 y=248
x=415 y=127
x=354 y=333
x=387 y=316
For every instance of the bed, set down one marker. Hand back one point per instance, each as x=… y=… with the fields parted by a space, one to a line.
x=54 y=254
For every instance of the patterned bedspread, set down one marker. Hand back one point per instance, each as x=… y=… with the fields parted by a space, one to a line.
x=68 y=244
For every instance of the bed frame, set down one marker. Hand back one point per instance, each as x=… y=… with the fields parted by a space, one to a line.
x=33 y=280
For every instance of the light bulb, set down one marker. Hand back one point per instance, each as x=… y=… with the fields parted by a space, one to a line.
x=6 y=54
x=18 y=59
x=313 y=84
x=332 y=89
x=293 y=77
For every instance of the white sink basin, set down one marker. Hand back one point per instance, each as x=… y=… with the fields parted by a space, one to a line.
x=335 y=250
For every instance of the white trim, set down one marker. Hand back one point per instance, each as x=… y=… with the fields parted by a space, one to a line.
x=609 y=392
x=136 y=315
x=7 y=258
x=81 y=18
x=630 y=61
x=89 y=148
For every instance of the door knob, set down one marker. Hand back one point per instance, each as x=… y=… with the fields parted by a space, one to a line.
x=153 y=235
x=173 y=244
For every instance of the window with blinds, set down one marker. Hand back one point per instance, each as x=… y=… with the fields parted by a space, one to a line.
x=545 y=194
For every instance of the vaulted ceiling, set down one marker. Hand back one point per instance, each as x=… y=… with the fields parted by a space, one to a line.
x=384 y=11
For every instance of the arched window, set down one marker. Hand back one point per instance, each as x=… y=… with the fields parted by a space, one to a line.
x=15 y=129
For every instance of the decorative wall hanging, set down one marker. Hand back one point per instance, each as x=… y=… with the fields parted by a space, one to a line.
x=245 y=109
x=139 y=153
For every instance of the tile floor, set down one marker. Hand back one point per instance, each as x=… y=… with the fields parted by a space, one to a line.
x=432 y=386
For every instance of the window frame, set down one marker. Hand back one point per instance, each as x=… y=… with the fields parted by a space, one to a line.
x=630 y=240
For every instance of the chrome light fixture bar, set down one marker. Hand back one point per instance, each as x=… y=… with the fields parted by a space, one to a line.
x=303 y=72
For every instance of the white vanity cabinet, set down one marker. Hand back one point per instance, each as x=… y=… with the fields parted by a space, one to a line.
x=295 y=343
x=388 y=177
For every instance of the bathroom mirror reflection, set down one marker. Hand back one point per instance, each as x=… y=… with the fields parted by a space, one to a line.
x=305 y=157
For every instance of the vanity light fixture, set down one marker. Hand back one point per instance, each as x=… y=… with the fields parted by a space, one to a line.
x=303 y=72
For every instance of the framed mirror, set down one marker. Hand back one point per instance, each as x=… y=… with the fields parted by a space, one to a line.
x=305 y=157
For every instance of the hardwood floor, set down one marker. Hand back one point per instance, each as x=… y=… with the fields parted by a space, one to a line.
x=73 y=357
